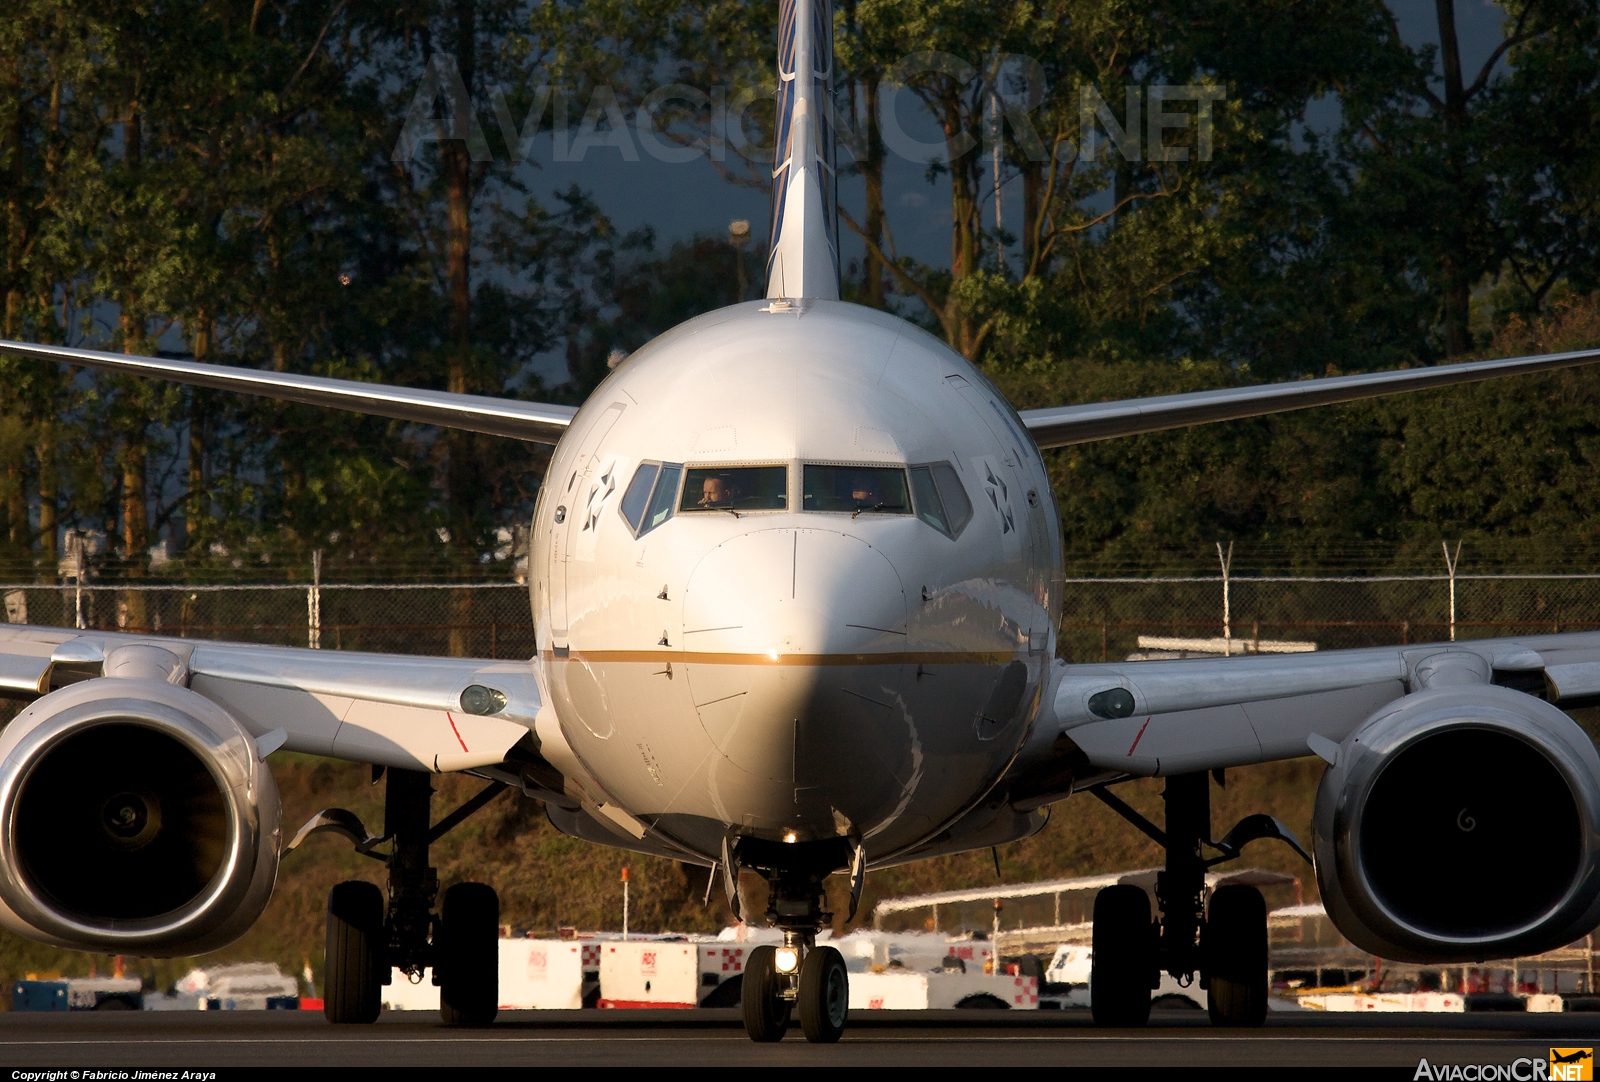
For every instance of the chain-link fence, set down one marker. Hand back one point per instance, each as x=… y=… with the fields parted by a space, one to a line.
x=464 y=620
x=1103 y=618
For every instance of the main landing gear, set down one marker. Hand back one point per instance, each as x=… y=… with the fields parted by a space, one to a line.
x=1226 y=944
x=799 y=975
x=369 y=937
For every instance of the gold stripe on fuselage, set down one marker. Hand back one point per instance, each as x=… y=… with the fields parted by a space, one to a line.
x=898 y=657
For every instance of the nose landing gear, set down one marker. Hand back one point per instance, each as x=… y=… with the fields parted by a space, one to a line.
x=1225 y=944
x=800 y=974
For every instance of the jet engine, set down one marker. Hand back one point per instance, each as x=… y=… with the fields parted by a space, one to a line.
x=136 y=817
x=1460 y=824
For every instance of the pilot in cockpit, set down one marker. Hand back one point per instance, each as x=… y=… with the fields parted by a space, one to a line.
x=865 y=492
x=718 y=492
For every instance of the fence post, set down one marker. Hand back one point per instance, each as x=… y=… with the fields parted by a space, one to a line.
x=1450 y=562
x=314 y=603
x=1227 y=611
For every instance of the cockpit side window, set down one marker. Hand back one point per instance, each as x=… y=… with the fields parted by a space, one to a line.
x=856 y=489
x=954 y=494
x=648 y=501
x=665 y=495
x=736 y=488
x=637 y=498
x=941 y=500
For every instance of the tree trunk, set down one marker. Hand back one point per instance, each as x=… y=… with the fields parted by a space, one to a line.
x=1456 y=268
x=965 y=243
x=17 y=506
x=1032 y=195
x=135 y=514
x=461 y=477
x=872 y=269
x=194 y=506
x=47 y=498
x=135 y=530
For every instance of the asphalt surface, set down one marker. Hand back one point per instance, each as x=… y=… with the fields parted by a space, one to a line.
x=130 y=1041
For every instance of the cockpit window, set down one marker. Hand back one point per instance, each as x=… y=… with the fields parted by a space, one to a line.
x=661 y=502
x=637 y=497
x=941 y=500
x=647 y=503
x=736 y=488
x=857 y=489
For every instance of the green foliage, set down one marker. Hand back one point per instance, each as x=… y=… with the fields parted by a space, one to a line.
x=220 y=178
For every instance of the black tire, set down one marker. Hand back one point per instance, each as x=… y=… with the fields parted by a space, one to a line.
x=766 y=1013
x=1234 y=949
x=1123 y=969
x=824 y=995
x=727 y=995
x=982 y=1001
x=356 y=953
x=467 y=956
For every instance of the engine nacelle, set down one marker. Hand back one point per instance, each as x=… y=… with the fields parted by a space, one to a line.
x=1461 y=824
x=136 y=817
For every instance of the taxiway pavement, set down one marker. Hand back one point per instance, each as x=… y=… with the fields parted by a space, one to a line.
x=213 y=1040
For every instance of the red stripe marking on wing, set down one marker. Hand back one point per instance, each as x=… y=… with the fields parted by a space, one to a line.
x=464 y=747
x=1135 y=743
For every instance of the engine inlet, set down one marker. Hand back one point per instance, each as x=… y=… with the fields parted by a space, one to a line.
x=120 y=822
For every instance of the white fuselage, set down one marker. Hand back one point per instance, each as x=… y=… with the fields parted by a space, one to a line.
x=783 y=671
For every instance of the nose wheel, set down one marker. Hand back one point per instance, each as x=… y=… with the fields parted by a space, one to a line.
x=824 y=995
x=779 y=980
x=799 y=975
x=766 y=1010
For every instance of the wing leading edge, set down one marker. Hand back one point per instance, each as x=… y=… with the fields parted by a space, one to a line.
x=1058 y=426
x=536 y=422
x=1183 y=716
x=1062 y=426
x=393 y=710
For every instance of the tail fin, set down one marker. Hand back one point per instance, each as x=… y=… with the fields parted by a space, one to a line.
x=804 y=256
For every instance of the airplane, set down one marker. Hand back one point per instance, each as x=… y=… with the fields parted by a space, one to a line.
x=801 y=626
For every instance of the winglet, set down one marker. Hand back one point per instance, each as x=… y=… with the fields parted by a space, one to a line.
x=803 y=260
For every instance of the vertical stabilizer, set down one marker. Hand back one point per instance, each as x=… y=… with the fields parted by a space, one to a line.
x=804 y=257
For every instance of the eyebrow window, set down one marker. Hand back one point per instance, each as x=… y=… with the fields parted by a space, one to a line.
x=648 y=501
x=940 y=498
x=856 y=489
x=736 y=488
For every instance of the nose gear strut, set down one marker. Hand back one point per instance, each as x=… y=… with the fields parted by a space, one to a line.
x=801 y=974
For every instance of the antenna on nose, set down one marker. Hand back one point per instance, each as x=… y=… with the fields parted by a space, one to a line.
x=803 y=260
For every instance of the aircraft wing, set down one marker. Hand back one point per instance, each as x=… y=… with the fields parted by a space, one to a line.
x=1200 y=714
x=396 y=710
x=1062 y=426
x=387 y=709
x=537 y=422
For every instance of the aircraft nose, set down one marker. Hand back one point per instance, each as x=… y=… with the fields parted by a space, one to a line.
x=779 y=625
x=794 y=593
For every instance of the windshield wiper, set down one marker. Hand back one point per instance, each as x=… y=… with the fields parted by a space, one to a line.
x=860 y=508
